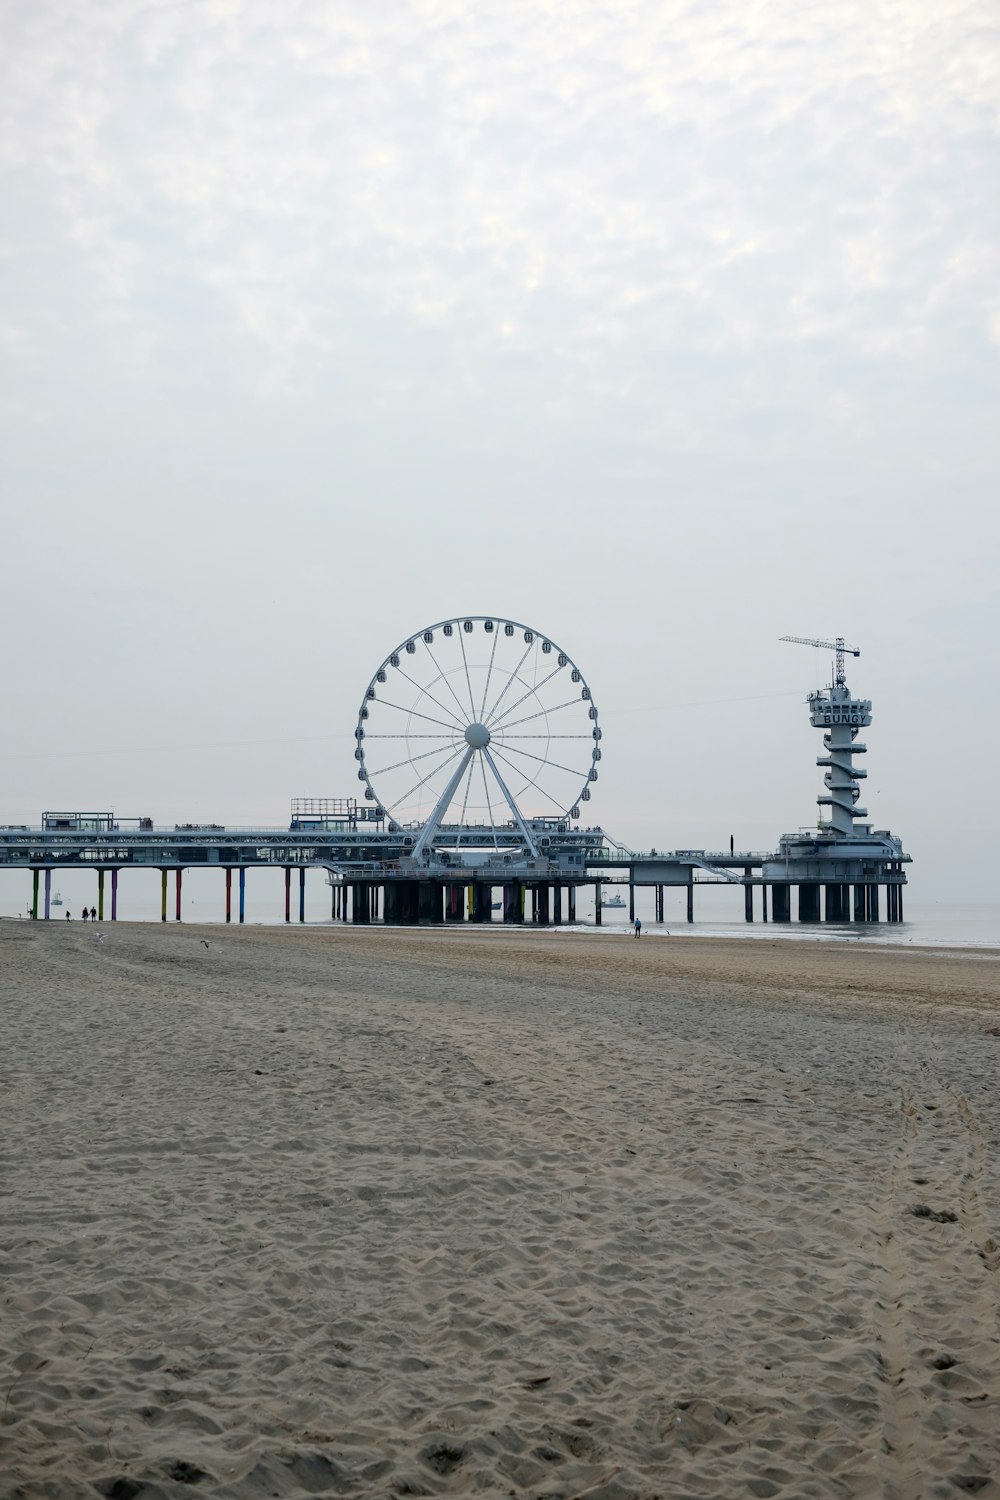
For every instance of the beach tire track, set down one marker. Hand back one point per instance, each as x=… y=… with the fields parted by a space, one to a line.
x=901 y=1415
x=983 y=1240
x=936 y=1304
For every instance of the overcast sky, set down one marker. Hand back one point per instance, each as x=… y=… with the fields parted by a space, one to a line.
x=667 y=329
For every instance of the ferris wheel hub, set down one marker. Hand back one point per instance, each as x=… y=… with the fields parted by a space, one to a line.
x=478 y=736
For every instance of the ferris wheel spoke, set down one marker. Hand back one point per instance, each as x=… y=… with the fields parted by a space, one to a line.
x=506 y=689
x=540 y=714
x=401 y=801
x=507 y=739
x=532 y=692
x=427 y=694
x=415 y=714
x=486 y=794
x=465 y=802
x=489 y=675
x=411 y=760
x=532 y=781
x=468 y=679
x=529 y=841
x=545 y=761
x=446 y=680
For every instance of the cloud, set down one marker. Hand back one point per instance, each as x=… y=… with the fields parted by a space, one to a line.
x=588 y=192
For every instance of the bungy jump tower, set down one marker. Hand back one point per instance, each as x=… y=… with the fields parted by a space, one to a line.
x=842 y=857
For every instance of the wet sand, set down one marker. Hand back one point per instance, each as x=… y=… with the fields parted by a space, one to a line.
x=379 y=1212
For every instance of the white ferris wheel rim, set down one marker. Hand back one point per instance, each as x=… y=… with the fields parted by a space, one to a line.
x=470 y=742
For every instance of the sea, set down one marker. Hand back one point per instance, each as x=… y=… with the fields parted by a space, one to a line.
x=718 y=909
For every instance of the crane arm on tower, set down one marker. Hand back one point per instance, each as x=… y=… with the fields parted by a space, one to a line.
x=836 y=646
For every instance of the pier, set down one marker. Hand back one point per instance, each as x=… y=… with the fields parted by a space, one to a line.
x=373 y=875
x=500 y=718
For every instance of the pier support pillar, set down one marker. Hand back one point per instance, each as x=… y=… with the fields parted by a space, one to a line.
x=860 y=910
x=34 y=895
x=690 y=900
x=809 y=901
x=763 y=902
x=302 y=893
x=747 y=898
x=571 y=904
x=48 y=893
x=481 y=897
x=114 y=895
x=512 y=901
x=100 y=895
x=243 y=893
x=454 y=907
x=178 y=875
x=229 y=894
x=631 y=901
x=163 y=895
x=543 y=905
x=429 y=895
x=781 y=901
x=899 y=903
x=873 y=914
x=597 y=904
x=557 y=904
x=288 y=894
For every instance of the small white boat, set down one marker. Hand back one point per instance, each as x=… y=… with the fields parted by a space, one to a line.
x=614 y=900
x=57 y=900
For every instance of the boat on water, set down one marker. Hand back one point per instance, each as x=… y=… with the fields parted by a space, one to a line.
x=614 y=900
x=57 y=900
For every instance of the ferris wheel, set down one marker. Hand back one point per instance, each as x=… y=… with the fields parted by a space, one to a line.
x=477 y=722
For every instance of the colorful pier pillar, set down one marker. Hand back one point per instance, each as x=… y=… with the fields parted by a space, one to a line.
x=243 y=891
x=48 y=893
x=163 y=895
x=177 y=878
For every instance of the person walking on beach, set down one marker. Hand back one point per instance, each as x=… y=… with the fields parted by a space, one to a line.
x=93 y=913
x=638 y=928
x=85 y=914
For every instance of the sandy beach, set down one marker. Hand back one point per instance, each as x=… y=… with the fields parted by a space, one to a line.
x=298 y=1212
